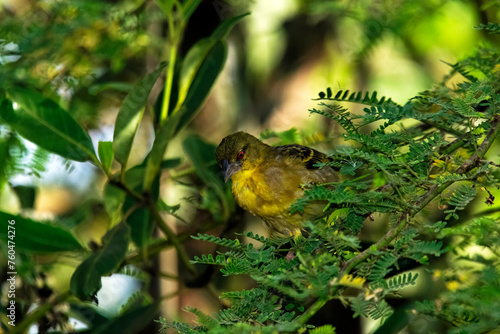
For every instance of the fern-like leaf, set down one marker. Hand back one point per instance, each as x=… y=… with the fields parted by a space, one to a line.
x=380 y=310
x=219 y=241
x=357 y=97
x=326 y=329
x=382 y=267
x=491 y=27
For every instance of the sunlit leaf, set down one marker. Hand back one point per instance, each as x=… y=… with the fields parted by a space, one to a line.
x=130 y=115
x=190 y=8
x=46 y=124
x=32 y=236
x=200 y=68
x=139 y=221
x=105 y=151
x=203 y=81
x=86 y=279
x=163 y=136
x=117 y=86
x=113 y=201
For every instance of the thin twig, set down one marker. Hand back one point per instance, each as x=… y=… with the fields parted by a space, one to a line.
x=39 y=312
x=181 y=251
x=302 y=320
x=432 y=193
x=382 y=243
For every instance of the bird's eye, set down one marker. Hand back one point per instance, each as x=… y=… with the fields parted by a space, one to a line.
x=241 y=154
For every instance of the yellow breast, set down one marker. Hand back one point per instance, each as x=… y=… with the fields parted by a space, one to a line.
x=252 y=193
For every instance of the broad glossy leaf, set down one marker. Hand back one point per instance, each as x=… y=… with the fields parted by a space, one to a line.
x=117 y=86
x=26 y=195
x=36 y=237
x=129 y=322
x=87 y=313
x=130 y=115
x=134 y=176
x=189 y=10
x=203 y=82
x=226 y=26
x=113 y=201
x=201 y=67
x=139 y=221
x=191 y=64
x=105 y=151
x=46 y=124
x=198 y=53
x=155 y=158
x=202 y=156
x=86 y=279
x=166 y=6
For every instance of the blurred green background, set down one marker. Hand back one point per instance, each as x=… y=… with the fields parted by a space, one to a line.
x=86 y=55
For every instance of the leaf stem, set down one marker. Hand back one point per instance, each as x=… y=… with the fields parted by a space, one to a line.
x=181 y=251
x=318 y=304
x=385 y=241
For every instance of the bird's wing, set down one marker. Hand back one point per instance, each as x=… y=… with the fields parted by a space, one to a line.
x=300 y=155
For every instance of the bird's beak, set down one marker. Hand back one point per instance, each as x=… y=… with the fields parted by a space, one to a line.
x=230 y=169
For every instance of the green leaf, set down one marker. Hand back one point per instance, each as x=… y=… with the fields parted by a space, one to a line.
x=130 y=115
x=329 y=92
x=202 y=156
x=86 y=279
x=203 y=63
x=36 y=237
x=139 y=221
x=155 y=158
x=87 y=313
x=191 y=64
x=201 y=67
x=326 y=329
x=170 y=163
x=396 y=322
x=26 y=195
x=198 y=53
x=130 y=322
x=166 y=6
x=189 y=10
x=225 y=27
x=46 y=124
x=113 y=201
x=117 y=86
x=491 y=27
x=105 y=151
x=135 y=175
x=202 y=82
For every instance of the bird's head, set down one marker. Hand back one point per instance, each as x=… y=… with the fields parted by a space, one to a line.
x=239 y=151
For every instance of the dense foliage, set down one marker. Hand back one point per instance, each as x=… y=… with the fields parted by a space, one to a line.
x=413 y=170
x=401 y=161
x=131 y=195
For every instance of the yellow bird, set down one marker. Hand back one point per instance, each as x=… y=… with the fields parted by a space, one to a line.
x=267 y=180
